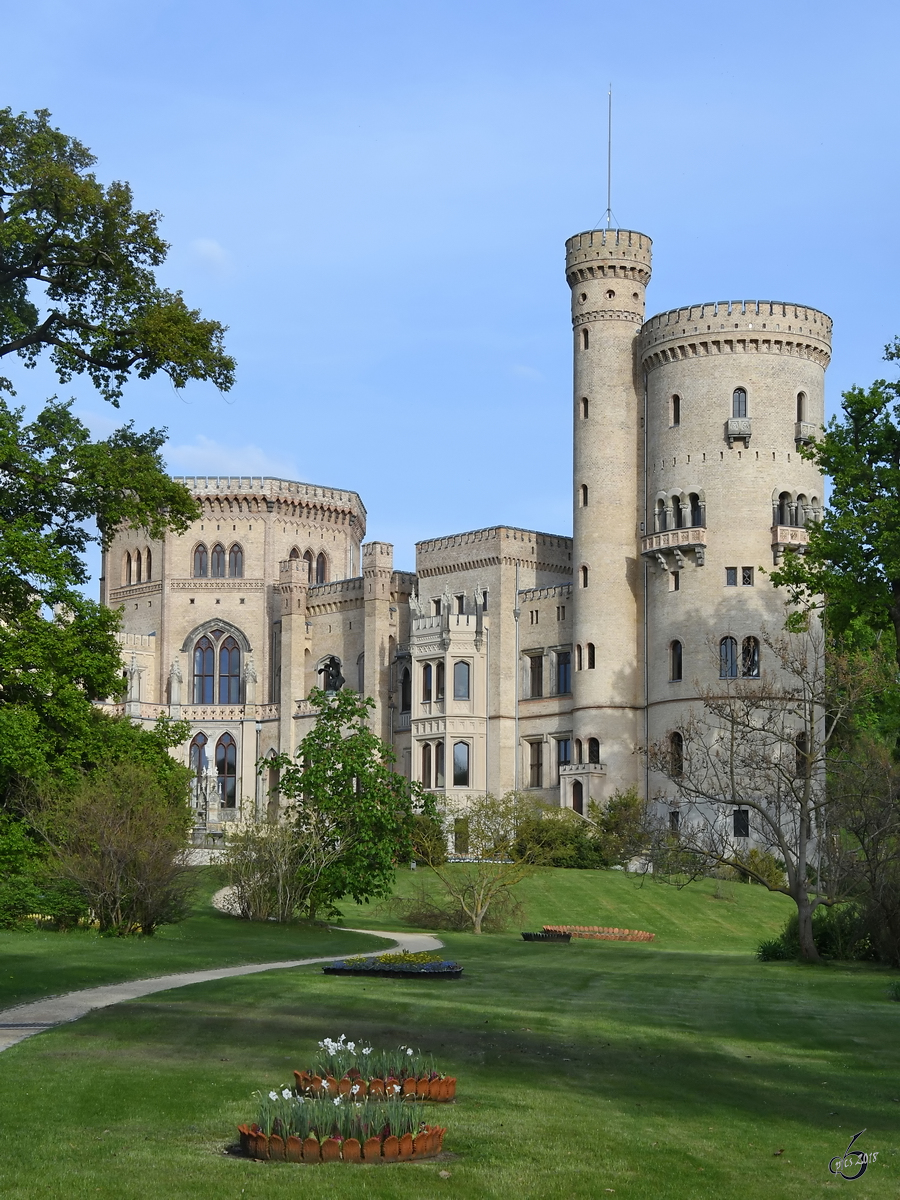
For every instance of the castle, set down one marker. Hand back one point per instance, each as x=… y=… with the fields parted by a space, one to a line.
x=510 y=657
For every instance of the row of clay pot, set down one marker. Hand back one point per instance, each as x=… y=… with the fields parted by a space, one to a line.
x=441 y=1089
x=602 y=933
x=310 y=1150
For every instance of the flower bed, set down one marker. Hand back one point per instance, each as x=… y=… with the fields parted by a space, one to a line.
x=433 y=1087
x=547 y=935
x=342 y=1069
x=602 y=933
x=396 y=966
x=425 y=1144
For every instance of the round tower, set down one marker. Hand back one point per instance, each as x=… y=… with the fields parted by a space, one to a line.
x=734 y=389
x=608 y=272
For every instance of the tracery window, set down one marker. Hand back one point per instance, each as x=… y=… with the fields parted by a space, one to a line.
x=321 y=569
x=201 y=562
x=593 y=750
x=728 y=658
x=236 y=562
x=210 y=686
x=229 y=672
x=204 y=671
x=739 y=402
x=217 y=561
x=226 y=769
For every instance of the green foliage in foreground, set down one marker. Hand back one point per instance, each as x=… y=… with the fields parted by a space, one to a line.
x=659 y=1075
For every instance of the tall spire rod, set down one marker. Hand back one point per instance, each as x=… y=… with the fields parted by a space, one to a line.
x=608 y=216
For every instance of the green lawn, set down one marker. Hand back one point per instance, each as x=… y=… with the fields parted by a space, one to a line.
x=662 y=1071
x=35 y=964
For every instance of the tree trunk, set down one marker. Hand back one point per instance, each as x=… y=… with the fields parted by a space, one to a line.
x=808 y=950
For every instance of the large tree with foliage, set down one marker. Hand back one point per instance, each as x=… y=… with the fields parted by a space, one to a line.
x=77 y=265
x=343 y=790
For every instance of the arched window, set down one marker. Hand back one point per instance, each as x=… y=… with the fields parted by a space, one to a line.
x=696 y=510
x=801 y=754
x=405 y=691
x=591 y=656
x=426 y=764
x=750 y=658
x=801 y=509
x=439 y=680
x=584 y=495
x=461 y=674
x=236 y=562
x=204 y=672
x=217 y=561
x=578 y=658
x=308 y=559
x=584 y=577
x=127 y=569
x=148 y=573
x=739 y=403
x=439 y=763
x=201 y=562
x=460 y=764
x=676 y=665
x=660 y=516
x=578 y=757
x=361 y=673
x=197 y=757
x=321 y=569
x=785 y=509
x=676 y=755
x=585 y=408
x=585 y=339
x=676 y=410
x=426 y=682
x=801 y=406
x=226 y=769
x=578 y=797
x=728 y=658
x=229 y=672
x=593 y=750
x=677 y=512
x=137 y=566
x=295 y=553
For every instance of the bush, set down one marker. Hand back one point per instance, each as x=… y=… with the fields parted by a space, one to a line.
x=840 y=932
x=894 y=989
x=565 y=839
x=426 y=911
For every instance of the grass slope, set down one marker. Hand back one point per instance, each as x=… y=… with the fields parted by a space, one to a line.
x=34 y=964
x=585 y=1070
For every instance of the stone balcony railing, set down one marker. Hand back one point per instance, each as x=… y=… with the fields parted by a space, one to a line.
x=675 y=541
x=570 y=769
x=402 y=721
x=805 y=432
x=788 y=537
x=737 y=429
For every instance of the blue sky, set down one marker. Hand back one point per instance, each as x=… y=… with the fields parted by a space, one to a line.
x=374 y=197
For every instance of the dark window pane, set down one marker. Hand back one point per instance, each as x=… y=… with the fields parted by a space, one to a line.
x=426 y=765
x=426 y=682
x=229 y=672
x=200 y=563
x=728 y=658
x=731 y=576
x=741 y=822
x=564 y=672
x=677 y=663
x=236 y=562
x=461 y=681
x=537 y=675
x=750 y=658
x=563 y=751
x=217 y=562
x=461 y=764
x=226 y=769
x=536 y=763
x=593 y=750
x=204 y=672
x=439 y=764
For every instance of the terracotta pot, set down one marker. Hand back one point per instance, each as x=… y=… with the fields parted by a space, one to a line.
x=332 y=1085
x=391 y=1150
x=450 y=1081
x=343 y=1086
x=409 y=1087
x=314 y=1082
x=312 y=1151
x=406 y=1145
x=423 y=1087
x=421 y=1143
x=376 y=1087
x=293 y=1149
x=362 y=1085
x=331 y=1150
x=301 y=1079
x=276 y=1147
x=244 y=1134
x=351 y=1150
x=259 y=1145
x=372 y=1149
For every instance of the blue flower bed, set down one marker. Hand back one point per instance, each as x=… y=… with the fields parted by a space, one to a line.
x=442 y=970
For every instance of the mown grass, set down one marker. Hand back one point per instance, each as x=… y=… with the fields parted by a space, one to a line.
x=585 y=1070
x=34 y=964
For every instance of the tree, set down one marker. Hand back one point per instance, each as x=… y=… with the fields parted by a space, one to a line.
x=77 y=271
x=753 y=764
x=852 y=563
x=498 y=855
x=619 y=827
x=343 y=775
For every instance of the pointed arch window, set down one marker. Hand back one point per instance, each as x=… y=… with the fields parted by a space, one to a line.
x=405 y=691
x=236 y=562
x=204 y=671
x=739 y=402
x=321 y=569
x=201 y=562
x=676 y=662
x=137 y=566
x=439 y=681
x=226 y=769
x=728 y=658
x=148 y=573
x=229 y=672
x=308 y=559
x=460 y=764
x=593 y=750
x=676 y=754
x=197 y=758
x=217 y=561
x=439 y=764
x=426 y=764
x=426 y=683
x=578 y=797
x=127 y=569
x=750 y=658
x=295 y=553
x=461 y=673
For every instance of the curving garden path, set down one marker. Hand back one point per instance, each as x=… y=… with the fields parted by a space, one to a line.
x=25 y=1020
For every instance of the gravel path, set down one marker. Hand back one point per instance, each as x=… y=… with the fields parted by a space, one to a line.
x=25 y=1020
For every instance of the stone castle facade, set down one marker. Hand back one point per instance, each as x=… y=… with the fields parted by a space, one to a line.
x=509 y=657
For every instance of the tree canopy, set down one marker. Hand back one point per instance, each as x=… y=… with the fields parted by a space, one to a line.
x=77 y=265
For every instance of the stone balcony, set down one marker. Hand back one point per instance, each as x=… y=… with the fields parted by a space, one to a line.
x=738 y=429
x=788 y=537
x=805 y=433
x=569 y=770
x=675 y=542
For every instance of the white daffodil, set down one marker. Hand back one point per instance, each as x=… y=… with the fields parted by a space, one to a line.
x=273 y=1095
x=351 y=1046
x=396 y=1087
x=336 y=1101
x=286 y=1093
x=367 y=1050
x=354 y=1089
x=409 y=1051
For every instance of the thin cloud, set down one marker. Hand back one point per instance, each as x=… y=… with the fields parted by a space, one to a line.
x=213 y=256
x=207 y=457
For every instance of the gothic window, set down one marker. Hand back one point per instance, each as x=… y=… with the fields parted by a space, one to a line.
x=197 y=758
x=295 y=553
x=461 y=672
x=148 y=574
x=321 y=569
x=201 y=563
x=578 y=797
x=405 y=691
x=308 y=559
x=585 y=339
x=127 y=569
x=226 y=769
x=563 y=672
x=750 y=658
x=676 y=410
x=229 y=672
x=593 y=750
x=584 y=495
x=578 y=757
x=585 y=408
x=676 y=663
x=426 y=683
x=728 y=658
x=579 y=658
x=204 y=672
x=426 y=764
x=591 y=656
x=137 y=566
x=676 y=755
x=460 y=764
x=536 y=764
x=439 y=763
x=536 y=675
x=217 y=561
x=236 y=562
x=801 y=406
x=584 y=577
x=741 y=819
x=696 y=509
x=439 y=680
x=739 y=403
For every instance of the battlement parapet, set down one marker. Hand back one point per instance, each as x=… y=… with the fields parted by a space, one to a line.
x=495 y=533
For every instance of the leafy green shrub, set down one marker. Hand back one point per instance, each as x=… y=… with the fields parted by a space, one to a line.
x=772 y=950
x=839 y=932
x=426 y=911
x=894 y=990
